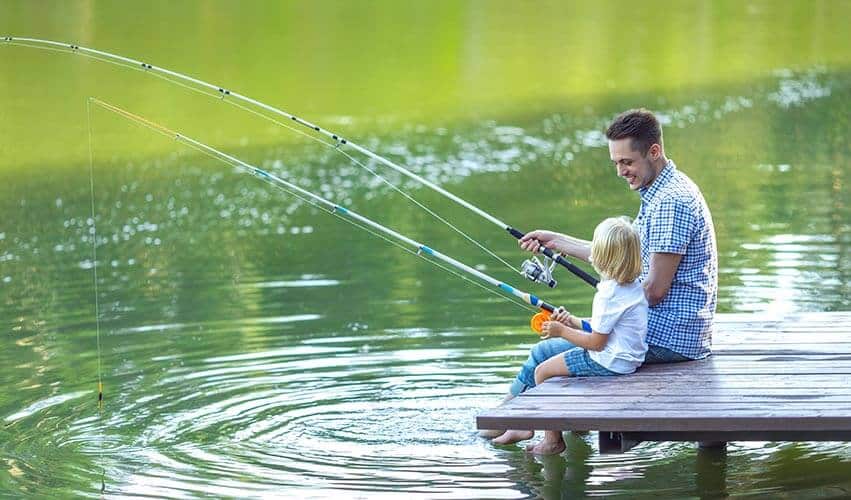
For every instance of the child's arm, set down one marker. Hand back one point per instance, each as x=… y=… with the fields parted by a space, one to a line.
x=594 y=341
x=563 y=316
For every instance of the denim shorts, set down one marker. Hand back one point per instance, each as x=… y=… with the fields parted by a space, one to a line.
x=580 y=364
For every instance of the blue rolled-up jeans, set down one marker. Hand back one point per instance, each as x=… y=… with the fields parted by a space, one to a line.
x=539 y=353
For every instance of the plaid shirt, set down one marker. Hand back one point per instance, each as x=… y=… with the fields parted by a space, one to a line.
x=674 y=218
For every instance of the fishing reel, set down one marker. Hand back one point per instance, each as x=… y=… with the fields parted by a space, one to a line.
x=534 y=270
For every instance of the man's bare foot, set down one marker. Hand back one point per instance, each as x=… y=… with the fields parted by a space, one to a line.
x=546 y=447
x=491 y=433
x=511 y=436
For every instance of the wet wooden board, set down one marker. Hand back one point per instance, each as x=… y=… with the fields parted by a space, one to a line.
x=784 y=377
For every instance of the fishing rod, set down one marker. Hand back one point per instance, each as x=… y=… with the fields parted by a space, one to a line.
x=531 y=269
x=361 y=221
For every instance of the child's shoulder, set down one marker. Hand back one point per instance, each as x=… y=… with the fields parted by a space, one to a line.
x=628 y=291
x=606 y=287
x=610 y=289
x=614 y=286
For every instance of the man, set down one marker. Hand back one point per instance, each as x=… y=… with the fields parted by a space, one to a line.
x=678 y=250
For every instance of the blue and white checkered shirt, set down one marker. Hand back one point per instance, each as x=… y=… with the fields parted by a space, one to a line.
x=674 y=218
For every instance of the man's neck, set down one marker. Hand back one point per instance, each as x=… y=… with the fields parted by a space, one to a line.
x=657 y=167
x=659 y=164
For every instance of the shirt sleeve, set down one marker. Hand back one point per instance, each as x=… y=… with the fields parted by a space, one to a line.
x=671 y=227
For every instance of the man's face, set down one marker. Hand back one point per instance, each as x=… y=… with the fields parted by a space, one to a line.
x=634 y=167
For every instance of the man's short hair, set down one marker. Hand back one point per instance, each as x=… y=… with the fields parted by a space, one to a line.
x=640 y=125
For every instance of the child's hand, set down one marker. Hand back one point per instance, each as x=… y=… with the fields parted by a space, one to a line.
x=552 y=329
x=561 y=315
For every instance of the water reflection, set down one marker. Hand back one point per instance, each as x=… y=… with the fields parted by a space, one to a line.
x=711 y=472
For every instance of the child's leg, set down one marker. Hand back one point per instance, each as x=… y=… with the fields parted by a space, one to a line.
x=539 y=353
x=553 y=367
x=573 y=363
x=553 y=442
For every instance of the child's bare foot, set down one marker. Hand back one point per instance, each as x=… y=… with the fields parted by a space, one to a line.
x=509 y=437
x=546 y=448
x=552 y=444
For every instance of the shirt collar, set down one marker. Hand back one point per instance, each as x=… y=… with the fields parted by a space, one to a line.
x=647 y=193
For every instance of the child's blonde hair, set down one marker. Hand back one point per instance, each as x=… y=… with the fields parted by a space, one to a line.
x=616 y=250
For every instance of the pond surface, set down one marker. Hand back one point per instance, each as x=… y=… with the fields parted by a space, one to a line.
x=251 y=345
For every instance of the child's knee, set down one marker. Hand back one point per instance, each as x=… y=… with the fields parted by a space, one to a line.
x=535 y=353
x=541 y=351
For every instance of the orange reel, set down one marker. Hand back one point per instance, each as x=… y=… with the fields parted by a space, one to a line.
x=538 y=320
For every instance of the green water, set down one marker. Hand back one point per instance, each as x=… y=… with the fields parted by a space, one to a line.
x=254 y=346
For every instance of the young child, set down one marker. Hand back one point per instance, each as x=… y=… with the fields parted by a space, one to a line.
x=616 y=346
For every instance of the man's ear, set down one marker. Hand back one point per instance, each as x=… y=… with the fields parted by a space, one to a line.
x=655 y=152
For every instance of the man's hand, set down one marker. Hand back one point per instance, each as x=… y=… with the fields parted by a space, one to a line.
x=533 y=241
x=557 y=242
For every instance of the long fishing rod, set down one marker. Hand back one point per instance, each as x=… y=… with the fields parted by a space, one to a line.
x=335 y=209
x=531 y=268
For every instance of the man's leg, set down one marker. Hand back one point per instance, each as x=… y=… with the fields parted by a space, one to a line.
x=657 y=355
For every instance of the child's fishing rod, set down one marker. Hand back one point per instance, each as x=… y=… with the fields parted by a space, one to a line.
x=531 y=268
x=338 y=210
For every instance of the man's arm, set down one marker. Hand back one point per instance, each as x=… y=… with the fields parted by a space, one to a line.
x=663 y=267
x=563 y=243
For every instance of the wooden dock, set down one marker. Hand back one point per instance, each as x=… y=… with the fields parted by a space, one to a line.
x=769 y=379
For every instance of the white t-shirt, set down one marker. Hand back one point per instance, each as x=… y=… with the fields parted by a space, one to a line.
x=621 y=312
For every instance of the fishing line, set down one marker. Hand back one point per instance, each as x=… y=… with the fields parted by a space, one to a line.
x=160 y=129
x=339 y=141
x=93 y=234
